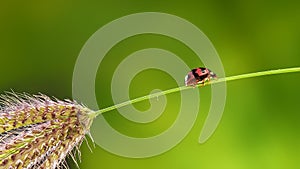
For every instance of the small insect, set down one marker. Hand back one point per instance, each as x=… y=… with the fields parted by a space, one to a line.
x=199 y=76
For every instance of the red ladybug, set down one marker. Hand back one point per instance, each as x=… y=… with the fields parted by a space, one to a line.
x=199 y=76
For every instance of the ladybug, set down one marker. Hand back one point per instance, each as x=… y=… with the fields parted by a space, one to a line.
x=199 y=76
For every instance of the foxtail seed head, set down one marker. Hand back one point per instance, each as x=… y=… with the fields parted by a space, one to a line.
x=38 y=132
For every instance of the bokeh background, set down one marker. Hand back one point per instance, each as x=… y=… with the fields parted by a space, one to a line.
x=40 y=41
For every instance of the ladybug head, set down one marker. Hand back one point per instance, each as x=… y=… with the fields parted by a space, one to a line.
x=212 y=74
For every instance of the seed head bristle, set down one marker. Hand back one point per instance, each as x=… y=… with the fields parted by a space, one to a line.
x=39 y=132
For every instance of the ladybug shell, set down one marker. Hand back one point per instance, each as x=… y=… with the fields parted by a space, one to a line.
x=198 y=75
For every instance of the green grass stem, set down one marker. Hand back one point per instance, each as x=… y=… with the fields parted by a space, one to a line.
x=231 y=78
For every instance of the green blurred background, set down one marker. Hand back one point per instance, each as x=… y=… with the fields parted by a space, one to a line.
x=40 y=41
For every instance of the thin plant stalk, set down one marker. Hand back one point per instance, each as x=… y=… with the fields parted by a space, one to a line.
x=177 y=89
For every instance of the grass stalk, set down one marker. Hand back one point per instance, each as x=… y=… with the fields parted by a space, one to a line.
x=181 y=88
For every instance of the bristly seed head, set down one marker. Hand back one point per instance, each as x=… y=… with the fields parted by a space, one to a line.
x=39 y=132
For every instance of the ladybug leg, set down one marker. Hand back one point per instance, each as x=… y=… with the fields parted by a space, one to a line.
x=202 y=83
x=194 y=84
x=205 y=81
